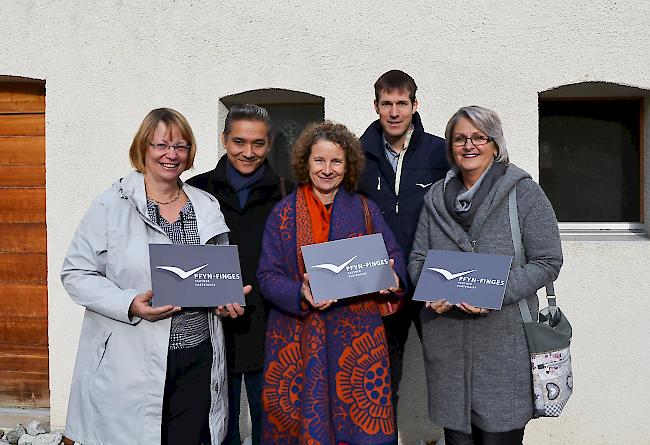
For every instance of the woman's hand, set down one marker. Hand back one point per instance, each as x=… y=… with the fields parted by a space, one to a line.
x=305 y=290
x=141 y=307
x=439 y=306
x=233 y=310
x=395 y=288
x=473 y=310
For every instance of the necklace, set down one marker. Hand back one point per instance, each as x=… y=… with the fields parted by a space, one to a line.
x=178 y=194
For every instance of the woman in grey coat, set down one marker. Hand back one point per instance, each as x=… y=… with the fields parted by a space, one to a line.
x=477 y=361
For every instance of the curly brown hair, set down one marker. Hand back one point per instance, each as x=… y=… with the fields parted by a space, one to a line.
x=332 y=132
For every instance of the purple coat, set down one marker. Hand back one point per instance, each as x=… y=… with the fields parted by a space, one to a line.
x=326 y=373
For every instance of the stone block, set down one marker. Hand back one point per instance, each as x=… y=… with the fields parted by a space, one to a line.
x=13 y=435
x=35 y=428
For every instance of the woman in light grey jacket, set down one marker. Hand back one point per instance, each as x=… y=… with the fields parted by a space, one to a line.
x=144 y=374
x=477 y=361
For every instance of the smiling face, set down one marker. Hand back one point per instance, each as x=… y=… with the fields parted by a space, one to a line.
x=395 y=111
x=165 y=166
x=470 y=159
x=247 y=145
x=326 y=169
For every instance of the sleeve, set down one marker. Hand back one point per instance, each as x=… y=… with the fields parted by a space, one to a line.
x=394 y=250
x=84 y=269
x=542 y=246
x=420 y=246
x=274 y=274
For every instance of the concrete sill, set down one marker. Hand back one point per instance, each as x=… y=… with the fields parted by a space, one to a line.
x=603 y=232
x=10 y=416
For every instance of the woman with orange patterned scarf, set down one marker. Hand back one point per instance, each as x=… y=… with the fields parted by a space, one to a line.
x=326 y=370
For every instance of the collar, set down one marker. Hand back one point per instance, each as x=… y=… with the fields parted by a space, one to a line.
x=373 y=138
x=435 y=201
x=267 y=178
x=389 y=148
x=239 y=181
x=212 y=223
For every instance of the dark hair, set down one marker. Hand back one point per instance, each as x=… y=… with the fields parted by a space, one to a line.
x=248 y=112
x=174 y=121
x=395 y=80
x=332 y=132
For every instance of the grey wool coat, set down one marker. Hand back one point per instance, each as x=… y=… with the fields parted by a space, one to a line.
x=478 y=367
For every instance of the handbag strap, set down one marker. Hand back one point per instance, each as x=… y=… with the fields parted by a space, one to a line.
x=386 y=307
x=366 y=215
x=520 y=256
x=519 y=249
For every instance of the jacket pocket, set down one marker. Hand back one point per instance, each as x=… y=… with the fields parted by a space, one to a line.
x=100 y=344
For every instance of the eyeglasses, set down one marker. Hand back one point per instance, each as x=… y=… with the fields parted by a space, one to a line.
x=478 y=140
x=178 y=148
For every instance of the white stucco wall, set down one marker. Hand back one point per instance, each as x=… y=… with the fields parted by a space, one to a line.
x=107 y=63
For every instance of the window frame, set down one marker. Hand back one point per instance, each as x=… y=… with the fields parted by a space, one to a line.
x=614 y=229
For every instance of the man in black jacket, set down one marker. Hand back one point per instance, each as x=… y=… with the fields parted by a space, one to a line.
x=402 y=162
x=247 y=189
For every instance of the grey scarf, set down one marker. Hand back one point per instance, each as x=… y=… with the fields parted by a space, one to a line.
x=461 y=203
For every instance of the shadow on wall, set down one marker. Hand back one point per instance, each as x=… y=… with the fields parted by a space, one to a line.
x=412 y=413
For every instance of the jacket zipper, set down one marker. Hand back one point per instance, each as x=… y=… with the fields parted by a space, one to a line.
x=398 y=170
x=147 y=220
x=216 y=388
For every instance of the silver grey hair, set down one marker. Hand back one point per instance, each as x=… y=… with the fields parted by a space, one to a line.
x=248 y=112
x=485 y=120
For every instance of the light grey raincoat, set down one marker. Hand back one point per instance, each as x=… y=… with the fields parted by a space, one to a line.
x=119 y=377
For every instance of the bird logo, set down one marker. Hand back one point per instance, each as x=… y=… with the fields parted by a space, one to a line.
x=333 y=267
x=448 y=275
x=180 y=272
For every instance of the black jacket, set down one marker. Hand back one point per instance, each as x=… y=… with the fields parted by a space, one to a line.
x=244 y=335
x=424 y=163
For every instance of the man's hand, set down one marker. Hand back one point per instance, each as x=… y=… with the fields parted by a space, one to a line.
x=233 y=310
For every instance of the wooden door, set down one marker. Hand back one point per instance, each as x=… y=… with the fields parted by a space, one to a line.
x=23 y=259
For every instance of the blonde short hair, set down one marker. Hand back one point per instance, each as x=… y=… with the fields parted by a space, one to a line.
x=174 y=121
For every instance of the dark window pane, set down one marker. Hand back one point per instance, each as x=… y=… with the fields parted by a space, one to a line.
x=590 y=159
x=288 y=123
x=291 y=111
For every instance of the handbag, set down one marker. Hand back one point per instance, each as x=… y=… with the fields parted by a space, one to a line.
x=389 y=305
x=548 y=336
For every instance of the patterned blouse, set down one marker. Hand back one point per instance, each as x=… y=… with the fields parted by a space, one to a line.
x=189 y=328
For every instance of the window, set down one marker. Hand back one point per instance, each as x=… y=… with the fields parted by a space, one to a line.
x=591 y=153
x=290 y=111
